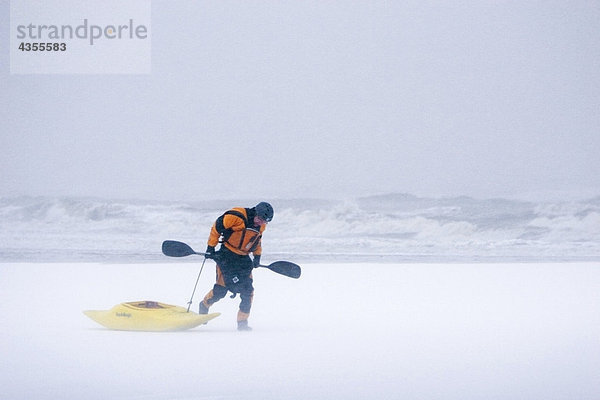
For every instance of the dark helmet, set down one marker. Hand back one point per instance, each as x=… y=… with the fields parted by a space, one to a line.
x=264 y=211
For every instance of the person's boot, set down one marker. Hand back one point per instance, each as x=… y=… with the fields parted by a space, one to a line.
x=243 y=325
x=202 y=309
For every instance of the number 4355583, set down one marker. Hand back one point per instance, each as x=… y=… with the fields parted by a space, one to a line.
x=25 y=46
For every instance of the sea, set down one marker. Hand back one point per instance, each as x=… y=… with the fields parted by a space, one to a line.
x=384 y=228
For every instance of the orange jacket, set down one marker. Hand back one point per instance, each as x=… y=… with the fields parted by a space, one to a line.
x=238 y=232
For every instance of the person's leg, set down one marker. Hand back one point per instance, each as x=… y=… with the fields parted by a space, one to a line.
x=217 y=293
x=246 y=295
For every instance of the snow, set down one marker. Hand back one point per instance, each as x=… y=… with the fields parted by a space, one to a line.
x=341 y=331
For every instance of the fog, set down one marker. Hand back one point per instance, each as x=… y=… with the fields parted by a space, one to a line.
x=321 y=99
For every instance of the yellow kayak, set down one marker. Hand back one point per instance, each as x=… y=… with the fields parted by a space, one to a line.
x=148 y=316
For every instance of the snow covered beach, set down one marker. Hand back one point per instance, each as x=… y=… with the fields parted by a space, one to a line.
x=342 y=331
x=400 y=297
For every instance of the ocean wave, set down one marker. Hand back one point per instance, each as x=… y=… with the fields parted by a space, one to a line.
x=395 y=226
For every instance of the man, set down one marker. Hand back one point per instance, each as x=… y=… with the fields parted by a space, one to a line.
x=239 y=231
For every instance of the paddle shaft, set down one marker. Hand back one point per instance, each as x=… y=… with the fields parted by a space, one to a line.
x=173 y=248
x=205 y=258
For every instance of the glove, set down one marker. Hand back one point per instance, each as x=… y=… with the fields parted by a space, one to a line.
x=256 y=262
x=210 y=252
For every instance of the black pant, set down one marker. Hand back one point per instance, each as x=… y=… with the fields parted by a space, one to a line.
x=234 y=274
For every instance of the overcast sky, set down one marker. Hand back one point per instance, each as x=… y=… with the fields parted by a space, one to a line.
x=321 y=99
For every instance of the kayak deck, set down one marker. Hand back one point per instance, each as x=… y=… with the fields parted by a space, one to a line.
x=148 y=315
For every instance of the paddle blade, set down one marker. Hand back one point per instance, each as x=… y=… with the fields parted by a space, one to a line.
x=285 y=268
x=173 y=248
